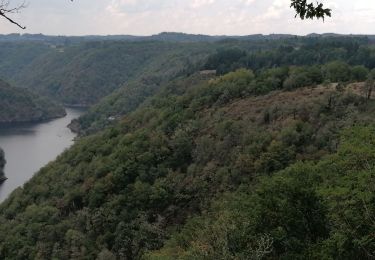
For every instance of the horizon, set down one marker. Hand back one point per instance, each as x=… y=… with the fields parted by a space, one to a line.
x=205 y=17
x=184 y=33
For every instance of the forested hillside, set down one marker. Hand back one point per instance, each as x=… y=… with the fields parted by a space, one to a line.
x=81 y=71
x=210 y=168
x=310 y=210
x=259 y=149
x=257 y=55
x=20 y=105
x=83 y=74
x=16 y=56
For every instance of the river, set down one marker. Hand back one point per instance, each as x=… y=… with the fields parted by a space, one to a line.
x=29 y=147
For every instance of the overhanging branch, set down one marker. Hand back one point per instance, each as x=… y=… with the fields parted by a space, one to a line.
x=12 y=21
x=307 y=10
x=6 y=9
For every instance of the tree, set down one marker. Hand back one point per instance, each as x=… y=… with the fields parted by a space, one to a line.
x=360 y=73
x=337 y=71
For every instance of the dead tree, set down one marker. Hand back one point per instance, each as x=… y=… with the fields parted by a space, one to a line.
x=6 y=8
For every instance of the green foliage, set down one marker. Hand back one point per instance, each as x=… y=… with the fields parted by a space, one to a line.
x=82 y=74
x=371 y=75
x=303 y=76
x=21 y=105
x=300 y=51
x=307 y=10
x=15 y=57
x=150 y=78
x=315 y=211
x=260 y=56
x=360 y=73
x=251 y=164
x=122 y=192
x=337 y=71
x=226 y=60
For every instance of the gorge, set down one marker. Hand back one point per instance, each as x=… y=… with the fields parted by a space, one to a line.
x=30 y=146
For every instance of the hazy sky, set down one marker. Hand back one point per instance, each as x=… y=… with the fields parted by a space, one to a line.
x=214 y=17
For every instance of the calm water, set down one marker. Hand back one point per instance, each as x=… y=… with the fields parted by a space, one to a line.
x=28 y=147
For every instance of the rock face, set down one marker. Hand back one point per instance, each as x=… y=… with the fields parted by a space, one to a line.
x=2 y=164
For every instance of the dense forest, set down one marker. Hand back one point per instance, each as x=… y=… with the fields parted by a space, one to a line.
x=259 y=149
x=83 y=74
x=225 y=56
x=20 y=105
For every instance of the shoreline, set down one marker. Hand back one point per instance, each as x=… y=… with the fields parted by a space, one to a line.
x=25 y=122
x=20 y=146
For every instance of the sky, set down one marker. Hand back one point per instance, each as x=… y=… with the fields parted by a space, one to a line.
x=211 y=17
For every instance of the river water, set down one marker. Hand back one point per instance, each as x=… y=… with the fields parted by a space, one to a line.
x=29 y=147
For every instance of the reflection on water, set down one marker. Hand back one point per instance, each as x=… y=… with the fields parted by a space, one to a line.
x=16 y=130
x=28 y=147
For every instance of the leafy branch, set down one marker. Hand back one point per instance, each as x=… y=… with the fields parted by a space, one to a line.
x=309 y=10
x=303 y=9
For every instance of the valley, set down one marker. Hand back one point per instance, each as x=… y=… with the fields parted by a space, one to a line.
x=21 y=106
x=270 y=155
x=30 y=146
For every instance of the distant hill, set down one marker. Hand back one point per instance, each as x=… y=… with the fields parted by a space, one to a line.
x=20 y=105
x=164 y=36
x=61 y=40
x=222 y=57
x=81 y=70
x=15 y=56
x=117 y=73
x=83 y=74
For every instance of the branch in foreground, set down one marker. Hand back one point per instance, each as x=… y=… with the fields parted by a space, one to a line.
x=5 y=9
x=308 y=10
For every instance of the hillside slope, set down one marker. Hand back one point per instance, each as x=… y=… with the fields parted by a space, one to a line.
x=83 y=70
x=307 y=211
x=14 y=57
x=20 y=105
x=83 y=74
x=230 y=55
x=127 y=190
